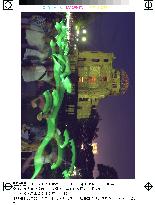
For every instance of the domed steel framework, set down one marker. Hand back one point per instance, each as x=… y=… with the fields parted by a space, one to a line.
x=124 y=82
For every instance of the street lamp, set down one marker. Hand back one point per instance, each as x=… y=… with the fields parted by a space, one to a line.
x=84 y=31
x=84 y=39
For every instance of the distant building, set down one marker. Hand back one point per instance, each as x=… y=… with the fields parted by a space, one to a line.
x=95 y=150
x=97 y=79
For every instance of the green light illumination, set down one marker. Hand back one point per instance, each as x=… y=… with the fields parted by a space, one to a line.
x=53 y=101
x=48 y=99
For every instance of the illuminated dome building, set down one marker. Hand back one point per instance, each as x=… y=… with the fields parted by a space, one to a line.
x=97 y=79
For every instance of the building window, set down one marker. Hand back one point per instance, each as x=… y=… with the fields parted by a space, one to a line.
x=95 y=60
x=83 y=99
x=106 y=60
x=115 y=74
x=91 y=79
x=81 y=59
x=114 y=85
x=104 y=78
x=72 y=62
x=81 y=79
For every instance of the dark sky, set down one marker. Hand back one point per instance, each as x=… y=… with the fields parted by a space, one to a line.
x=115 y=32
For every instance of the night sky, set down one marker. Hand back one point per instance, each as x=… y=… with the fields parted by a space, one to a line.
x=115 y=32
